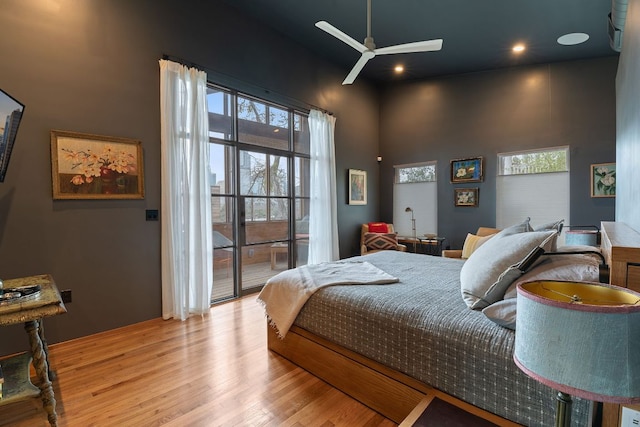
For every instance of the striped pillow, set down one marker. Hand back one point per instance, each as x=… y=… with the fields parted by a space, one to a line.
x=378 y=241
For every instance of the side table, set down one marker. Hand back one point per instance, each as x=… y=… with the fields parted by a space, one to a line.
x=423 y=245
x=432 y=245
x=31 y=312
x=277 y=248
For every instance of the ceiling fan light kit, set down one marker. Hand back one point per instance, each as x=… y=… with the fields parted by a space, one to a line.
x=368 y=48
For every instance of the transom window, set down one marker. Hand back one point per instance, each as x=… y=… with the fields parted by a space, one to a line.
x=415 y=172
x=555 y=159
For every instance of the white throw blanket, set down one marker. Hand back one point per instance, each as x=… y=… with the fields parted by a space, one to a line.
x=285 y=293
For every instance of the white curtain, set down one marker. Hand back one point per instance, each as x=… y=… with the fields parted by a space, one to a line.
x=187 y=248
x=323 y=208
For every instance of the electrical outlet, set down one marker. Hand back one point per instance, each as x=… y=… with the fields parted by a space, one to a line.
x=66 y=296
x=630 y=417
x=151 y=214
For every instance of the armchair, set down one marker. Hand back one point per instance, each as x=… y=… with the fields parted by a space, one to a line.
x=385 y=240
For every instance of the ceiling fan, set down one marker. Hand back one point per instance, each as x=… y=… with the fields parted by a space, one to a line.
x=368 y=49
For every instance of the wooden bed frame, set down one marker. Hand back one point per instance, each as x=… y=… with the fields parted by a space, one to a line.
x=394 y=394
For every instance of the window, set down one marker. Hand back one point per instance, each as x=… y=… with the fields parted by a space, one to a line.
x=533 y=184
x=416 y=188
x=534 y=161
x=417 y=172
x=264 y=176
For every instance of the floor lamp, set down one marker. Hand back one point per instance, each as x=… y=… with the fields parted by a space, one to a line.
x=580 y=339
x=413 y=228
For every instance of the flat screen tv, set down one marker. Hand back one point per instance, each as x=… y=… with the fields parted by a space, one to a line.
x=10 y=116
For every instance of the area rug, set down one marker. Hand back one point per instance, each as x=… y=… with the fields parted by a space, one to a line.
x=443 y=414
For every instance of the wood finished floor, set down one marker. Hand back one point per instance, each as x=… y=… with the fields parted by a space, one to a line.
x=212 y=371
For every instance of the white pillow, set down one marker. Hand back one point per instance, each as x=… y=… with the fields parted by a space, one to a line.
x=502 y=312
x=523 y=227
x=480 y=274
x=582 y=268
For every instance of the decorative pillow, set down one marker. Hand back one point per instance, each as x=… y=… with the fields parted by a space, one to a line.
x=480 y=274
x=556 y=225
x=502 y=312
x=378 y=227
x=523 y=227
x=473 y=242
x=378 y=241
x=583 y=268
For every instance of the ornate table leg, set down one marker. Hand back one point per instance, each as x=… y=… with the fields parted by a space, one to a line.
x=41 y=365
x=45 y=347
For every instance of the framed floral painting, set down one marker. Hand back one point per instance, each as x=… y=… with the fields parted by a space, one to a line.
x=466 y=197
x=86 y=166
x=603 y=180
x=466 y=170
x=357 y=187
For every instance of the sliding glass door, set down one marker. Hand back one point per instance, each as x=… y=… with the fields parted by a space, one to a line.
x=260 y=191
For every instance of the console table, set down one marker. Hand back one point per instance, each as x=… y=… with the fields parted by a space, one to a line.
x=31 y=312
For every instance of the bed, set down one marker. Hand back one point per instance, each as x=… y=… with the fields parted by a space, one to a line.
x=390 y=345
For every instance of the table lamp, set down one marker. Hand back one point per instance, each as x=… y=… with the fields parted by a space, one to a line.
x=581 y=339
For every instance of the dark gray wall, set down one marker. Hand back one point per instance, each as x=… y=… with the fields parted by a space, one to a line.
x=482 y=114
x=92 y=67
x=628 y=121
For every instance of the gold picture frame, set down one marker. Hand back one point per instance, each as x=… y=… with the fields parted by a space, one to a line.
x=467 y=170
x=603 y=180
x=468 y=197
x=357 y=187
x=86 y=166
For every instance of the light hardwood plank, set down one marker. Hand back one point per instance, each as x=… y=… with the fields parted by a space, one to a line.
x=211 y=371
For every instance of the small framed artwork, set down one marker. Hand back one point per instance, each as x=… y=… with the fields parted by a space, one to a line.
x=603 y=180
x=466 y=196
x=466 y=170
x=85 y=166
x=357 y=187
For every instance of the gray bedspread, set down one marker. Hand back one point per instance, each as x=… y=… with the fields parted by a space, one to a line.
x=421 y=327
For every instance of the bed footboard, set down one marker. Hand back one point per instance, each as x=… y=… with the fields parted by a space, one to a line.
x=389 y=392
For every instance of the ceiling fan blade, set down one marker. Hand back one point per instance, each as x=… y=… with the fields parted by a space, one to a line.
x=426 y=46
x=324 y=25
x=366 y=56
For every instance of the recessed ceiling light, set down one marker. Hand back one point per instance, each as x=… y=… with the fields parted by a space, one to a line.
x=518 y=48
x=398 y=68
x=573 y=38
